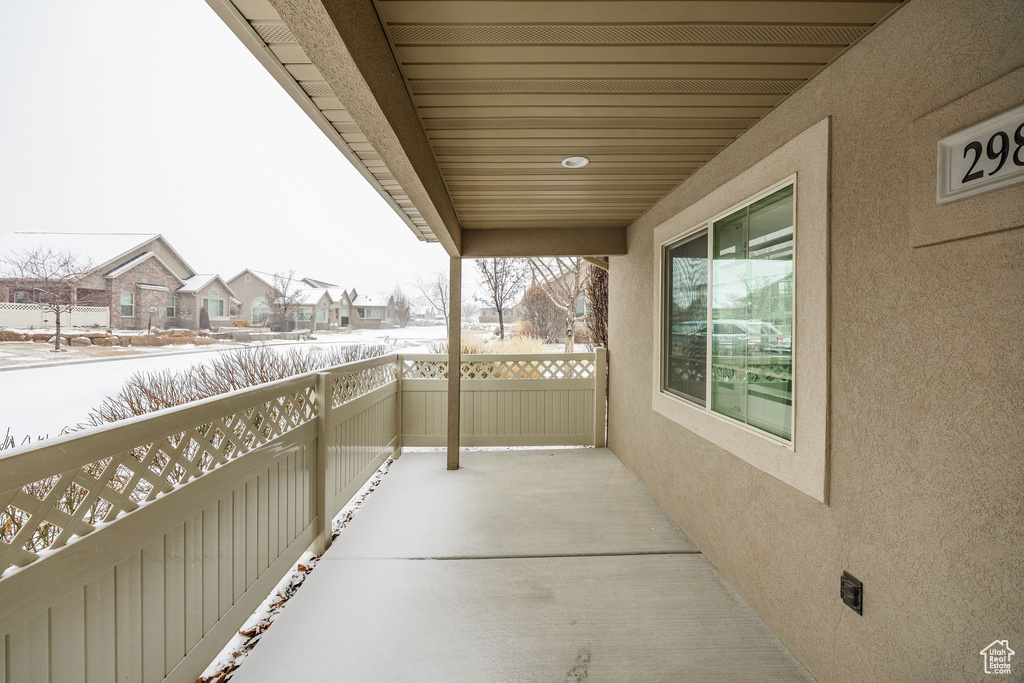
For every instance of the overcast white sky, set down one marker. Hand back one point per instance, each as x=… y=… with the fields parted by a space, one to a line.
x=128 y=116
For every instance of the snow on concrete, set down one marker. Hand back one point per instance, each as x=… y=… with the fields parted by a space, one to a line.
x=238 y=648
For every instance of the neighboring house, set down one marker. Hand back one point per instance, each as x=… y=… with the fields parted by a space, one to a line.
x=342 y=307
x=206 y=291
x=366 y=312
x=253 y=290
x=312 y=310
x=425 y=314
x=489 y=314
x=136 y=275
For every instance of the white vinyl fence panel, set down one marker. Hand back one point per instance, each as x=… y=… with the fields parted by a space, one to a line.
x=35 y=316
x=134 y=551
x=507 y=400
x=144 y=545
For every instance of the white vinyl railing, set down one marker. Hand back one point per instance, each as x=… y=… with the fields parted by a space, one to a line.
x=134 y=551
x=36 y=316
x=520 y=400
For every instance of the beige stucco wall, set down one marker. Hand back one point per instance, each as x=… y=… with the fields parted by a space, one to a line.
x=927 y=370
x=248 y=292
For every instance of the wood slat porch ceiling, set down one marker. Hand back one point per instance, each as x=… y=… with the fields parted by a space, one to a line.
x=504 y=90
x=648 y=90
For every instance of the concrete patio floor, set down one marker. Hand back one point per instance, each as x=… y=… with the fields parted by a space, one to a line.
x=541 y=565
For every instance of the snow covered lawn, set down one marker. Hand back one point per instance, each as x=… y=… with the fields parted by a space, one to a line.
x=41 y=402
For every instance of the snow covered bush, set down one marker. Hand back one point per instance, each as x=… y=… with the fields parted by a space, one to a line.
x=146 y=392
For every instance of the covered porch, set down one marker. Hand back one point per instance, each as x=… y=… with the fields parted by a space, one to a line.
x=523 y=565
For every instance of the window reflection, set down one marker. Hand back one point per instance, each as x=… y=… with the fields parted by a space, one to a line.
x=687 y=311
x=752 y=315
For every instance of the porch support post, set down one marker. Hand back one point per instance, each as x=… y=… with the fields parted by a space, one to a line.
x=600 y=394
x=399 y=420
x=322 y=497
x=454 y=359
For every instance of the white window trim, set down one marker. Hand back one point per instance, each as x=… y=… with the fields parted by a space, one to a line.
x=801 y=463
x=206 y=304
x=122 y=305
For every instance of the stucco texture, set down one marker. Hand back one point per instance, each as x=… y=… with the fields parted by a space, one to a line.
x=926 y=460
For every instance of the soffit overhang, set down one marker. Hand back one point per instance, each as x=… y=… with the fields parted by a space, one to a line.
x=485 y=98
x=261 y=29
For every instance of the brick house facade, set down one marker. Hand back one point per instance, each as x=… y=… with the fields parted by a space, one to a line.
x=152 y=288
x=135 y=275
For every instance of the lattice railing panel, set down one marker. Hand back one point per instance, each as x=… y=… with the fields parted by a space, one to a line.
x=351 y=385
x=46 y=514
x=548 y=368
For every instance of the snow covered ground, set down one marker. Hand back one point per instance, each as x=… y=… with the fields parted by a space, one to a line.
x=39 y=402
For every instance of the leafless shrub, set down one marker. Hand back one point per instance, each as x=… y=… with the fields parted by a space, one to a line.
x=147 y=392
x=469 y=345
x=545 y=318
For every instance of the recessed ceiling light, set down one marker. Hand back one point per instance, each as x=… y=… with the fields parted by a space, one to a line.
x=575 y=162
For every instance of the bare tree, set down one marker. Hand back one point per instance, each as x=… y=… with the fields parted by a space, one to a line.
x=52 y=275
x=399 y=307
x=597 y=292
x=283 y=295
x=563 y=280
x=546 y=320
x=434 y=289
x=470 y=309
x=502 y=279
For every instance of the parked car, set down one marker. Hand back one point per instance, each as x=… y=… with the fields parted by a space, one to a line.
x=733 y=337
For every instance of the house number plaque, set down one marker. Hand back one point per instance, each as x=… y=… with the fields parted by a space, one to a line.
x=985 y=157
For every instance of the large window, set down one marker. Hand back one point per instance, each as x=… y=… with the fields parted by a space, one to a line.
x=260 y=310
x=127 y=304
x=321 y=313
x=736 y=272
x=215 y=307
x=304 y=314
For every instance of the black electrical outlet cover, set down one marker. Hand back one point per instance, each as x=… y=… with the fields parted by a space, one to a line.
x=852 y=592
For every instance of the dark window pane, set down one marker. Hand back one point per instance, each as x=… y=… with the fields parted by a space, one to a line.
x=686 y=307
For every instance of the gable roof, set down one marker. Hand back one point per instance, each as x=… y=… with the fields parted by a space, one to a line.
x=312 y=296
x=197 y=282
x=368 y=302
x=141 y=258
x=319 y=284
x=262 y=277
x=102 y=249
x=339 y=295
